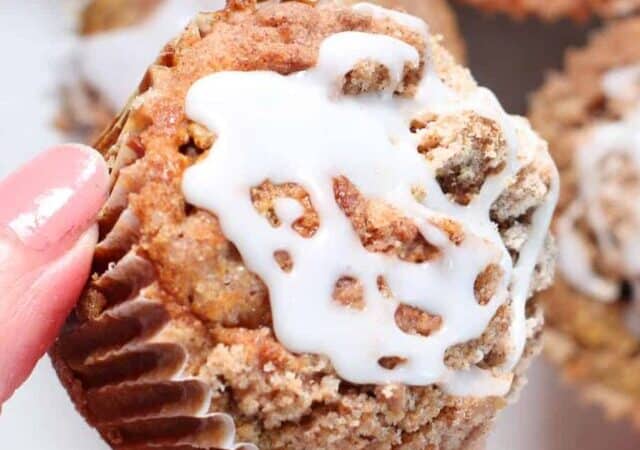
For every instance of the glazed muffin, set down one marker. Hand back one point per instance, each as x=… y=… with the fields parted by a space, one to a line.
x=116 y=38
x=322 y=234
x=590 y=115
x=558 y=9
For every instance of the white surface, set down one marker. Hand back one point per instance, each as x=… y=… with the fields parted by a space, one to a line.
x=40 y=417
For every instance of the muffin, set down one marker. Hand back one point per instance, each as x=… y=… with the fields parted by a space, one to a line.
x=558 y=9
x=322 y=234
x=106 y=74
x=590 y=115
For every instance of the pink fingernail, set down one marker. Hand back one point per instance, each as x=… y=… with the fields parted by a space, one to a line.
x=52 y=199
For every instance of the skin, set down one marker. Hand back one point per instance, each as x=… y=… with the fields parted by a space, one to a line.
x=48 y=209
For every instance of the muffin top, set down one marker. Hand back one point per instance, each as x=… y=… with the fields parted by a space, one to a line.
x=104 y=75
x=333 y=228
x=142 y=26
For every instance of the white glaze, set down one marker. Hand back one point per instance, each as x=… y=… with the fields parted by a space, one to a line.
x=623 y=83
x=114 y=62
x=301 y=129
x=620 y=248
x=409 y=21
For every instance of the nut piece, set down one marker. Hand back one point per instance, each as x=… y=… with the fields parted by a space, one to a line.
x=465 y=149
x=412 y=320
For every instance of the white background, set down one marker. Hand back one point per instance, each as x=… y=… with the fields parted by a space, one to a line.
x=33 y=40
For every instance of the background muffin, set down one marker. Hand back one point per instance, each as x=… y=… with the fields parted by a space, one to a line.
x=108 y=74
x=557 y=9
x=589 y=114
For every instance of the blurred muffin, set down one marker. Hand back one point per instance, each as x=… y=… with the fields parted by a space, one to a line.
x=116 y=38
x=558 y=9
x=322 y=234
x=590 y=113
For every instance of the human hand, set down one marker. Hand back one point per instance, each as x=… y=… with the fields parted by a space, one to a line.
x=47 y=236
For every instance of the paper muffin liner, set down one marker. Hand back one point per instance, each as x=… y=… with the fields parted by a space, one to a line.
x=118 y=360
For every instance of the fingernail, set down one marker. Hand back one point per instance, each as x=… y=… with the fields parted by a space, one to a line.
x=53 y=198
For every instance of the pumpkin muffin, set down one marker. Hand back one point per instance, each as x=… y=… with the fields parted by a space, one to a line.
x=322 y=234
x=590 y=113
x=558 y=9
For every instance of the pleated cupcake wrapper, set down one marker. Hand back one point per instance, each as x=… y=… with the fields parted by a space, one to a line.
x=124 y=371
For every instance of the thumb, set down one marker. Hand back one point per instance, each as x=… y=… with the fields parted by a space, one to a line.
x=47 y=234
